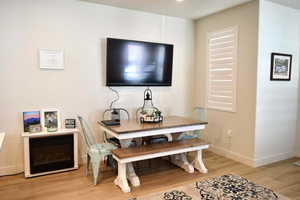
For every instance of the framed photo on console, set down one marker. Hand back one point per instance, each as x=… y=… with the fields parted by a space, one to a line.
x=50 y=119
x=281 y=66
x=31 y=119
x=70 y=123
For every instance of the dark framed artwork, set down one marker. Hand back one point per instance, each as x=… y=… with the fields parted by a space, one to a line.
x=70 y=123
x=281 y=67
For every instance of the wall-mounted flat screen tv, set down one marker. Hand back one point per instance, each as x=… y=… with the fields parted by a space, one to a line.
x=136 y=63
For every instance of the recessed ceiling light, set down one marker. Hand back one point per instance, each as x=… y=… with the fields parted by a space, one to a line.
x=179 y=0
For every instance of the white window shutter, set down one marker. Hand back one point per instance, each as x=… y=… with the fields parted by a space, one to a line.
x=222 y=69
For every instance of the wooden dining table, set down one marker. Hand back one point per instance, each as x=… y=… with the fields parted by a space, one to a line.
x=172 y=127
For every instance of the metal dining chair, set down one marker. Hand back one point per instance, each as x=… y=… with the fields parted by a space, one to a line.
x=197 y=114
x=124 y=115
x=96 y=152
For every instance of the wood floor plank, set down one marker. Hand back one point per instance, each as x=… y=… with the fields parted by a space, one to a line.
x=282 y=177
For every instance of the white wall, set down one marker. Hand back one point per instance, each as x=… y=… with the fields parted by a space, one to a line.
x=240 y=146
x=277 y=101
x=80 y=29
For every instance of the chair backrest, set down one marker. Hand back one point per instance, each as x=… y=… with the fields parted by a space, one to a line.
x=199 y=114
x=87 y=132
x=124 y=115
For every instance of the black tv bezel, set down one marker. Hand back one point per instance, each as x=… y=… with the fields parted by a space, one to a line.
x=168 y=84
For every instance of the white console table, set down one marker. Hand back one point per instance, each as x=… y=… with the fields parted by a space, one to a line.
x=60 y=132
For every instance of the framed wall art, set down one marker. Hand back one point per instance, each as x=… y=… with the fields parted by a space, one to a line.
x=281 y=66
x=51 y=59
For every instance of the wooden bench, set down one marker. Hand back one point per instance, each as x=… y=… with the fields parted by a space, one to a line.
x=132 y=154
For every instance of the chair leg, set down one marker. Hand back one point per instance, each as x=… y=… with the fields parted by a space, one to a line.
x=88 y=160
x=96 y=170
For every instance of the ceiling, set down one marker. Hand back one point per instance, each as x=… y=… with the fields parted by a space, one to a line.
x=290 y=3
x=192 y=9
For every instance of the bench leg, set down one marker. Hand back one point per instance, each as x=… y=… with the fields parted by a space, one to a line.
x=131 y=175
x=180 y=160
x=198 y=163
x=121 y=180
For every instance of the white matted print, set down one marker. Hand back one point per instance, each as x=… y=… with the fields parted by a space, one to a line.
x=51 y=59
x=281 y=65
x=50 y=118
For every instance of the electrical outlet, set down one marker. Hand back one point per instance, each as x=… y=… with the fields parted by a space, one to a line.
x=229 y=133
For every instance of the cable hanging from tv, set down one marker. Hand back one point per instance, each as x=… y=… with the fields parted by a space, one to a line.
x=115 y=100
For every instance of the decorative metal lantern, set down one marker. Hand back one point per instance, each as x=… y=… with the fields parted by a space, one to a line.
x=149 y=113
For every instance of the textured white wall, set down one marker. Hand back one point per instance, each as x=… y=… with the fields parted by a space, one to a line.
x=80 y=29
x=277 y=101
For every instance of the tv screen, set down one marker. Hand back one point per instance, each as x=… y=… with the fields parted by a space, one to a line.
x=136 y=63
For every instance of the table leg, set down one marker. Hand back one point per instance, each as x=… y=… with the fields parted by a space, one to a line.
x=198 y=163
x=130 y=172
x=181 y=161
x=121 y=180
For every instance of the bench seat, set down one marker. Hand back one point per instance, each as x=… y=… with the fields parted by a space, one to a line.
x=177 y=148
x=131 y=154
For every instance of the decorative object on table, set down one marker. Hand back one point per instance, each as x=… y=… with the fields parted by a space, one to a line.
x=51 y=59
x=70 y=123
x=115 y=114
x=35 y=128
x=111 y=122
x=226 y=187
x=50 y=119
x=96 y=152
x=31 y=118
x=149 y=113
x=281 y=66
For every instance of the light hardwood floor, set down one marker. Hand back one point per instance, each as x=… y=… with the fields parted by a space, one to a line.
x=282 y=177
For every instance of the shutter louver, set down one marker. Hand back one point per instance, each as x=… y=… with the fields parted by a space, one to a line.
x=222 y=69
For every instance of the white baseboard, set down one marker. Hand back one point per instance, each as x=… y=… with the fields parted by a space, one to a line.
x=233 y=155
x=10 y=170
x=274 y=158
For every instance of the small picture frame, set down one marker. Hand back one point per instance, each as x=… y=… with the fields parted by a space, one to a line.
x=51 y=59
x=281 y=66
x=50 y=119
x=35 y=128
x=31 y=118
x=70 y=123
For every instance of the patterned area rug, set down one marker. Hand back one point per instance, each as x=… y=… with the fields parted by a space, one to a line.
x=227 y=187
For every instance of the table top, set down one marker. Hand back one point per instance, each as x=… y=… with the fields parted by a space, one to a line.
x=133 y=125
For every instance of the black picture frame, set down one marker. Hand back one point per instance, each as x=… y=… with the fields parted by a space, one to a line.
x=70 y=123
x=283 y=70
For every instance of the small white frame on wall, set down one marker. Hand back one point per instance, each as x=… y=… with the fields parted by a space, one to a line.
x=50 y=114
x=51 y=59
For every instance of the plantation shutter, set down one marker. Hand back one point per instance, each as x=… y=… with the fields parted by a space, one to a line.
x=222 y=69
